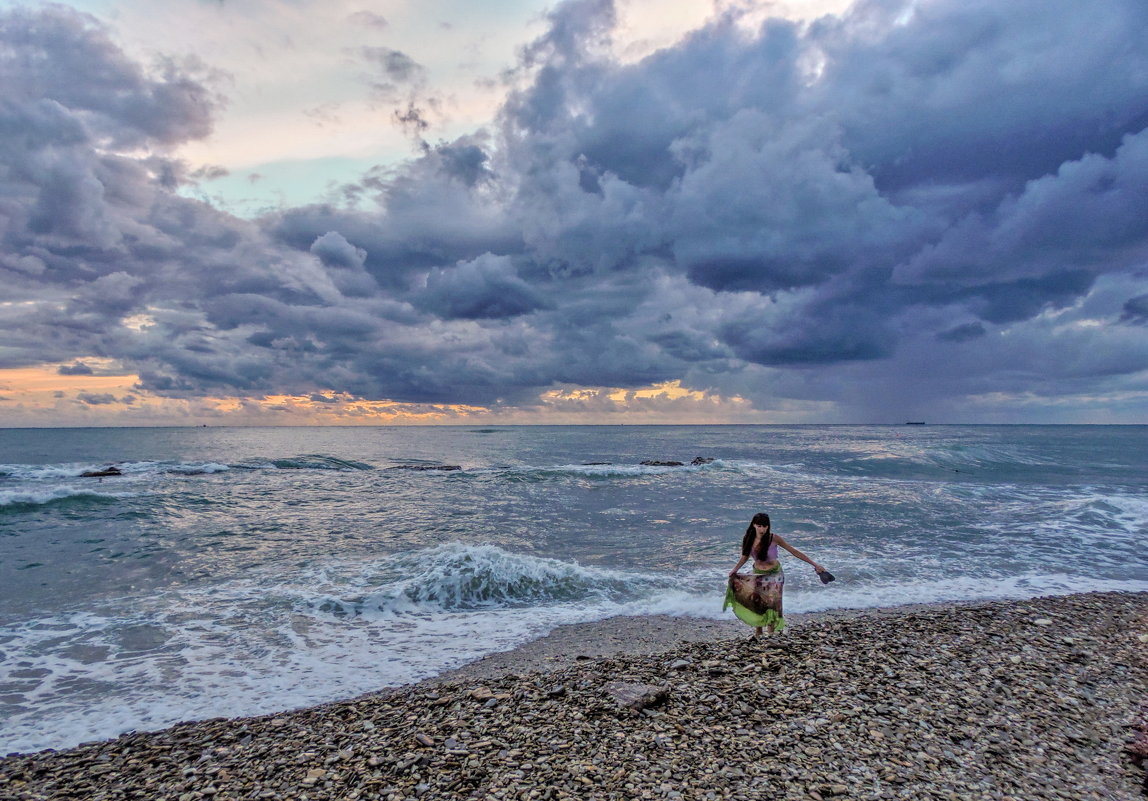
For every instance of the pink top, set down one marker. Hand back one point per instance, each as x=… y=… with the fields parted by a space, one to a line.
x=770 y=552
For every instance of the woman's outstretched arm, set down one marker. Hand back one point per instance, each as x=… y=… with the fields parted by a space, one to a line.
x=780 y=541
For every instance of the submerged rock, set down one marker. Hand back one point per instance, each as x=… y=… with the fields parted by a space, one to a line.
x=107 y=471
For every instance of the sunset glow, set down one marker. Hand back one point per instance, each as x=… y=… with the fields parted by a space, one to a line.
x=42 y=396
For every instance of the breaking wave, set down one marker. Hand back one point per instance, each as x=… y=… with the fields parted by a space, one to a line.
x=21 y=500
x=472 y=577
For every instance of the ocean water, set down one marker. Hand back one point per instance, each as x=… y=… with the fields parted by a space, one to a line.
x=233 y=571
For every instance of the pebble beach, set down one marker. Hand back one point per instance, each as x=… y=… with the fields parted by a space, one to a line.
x=1036 y=699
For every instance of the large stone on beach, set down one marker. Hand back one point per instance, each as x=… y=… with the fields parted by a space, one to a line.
x=636 y=696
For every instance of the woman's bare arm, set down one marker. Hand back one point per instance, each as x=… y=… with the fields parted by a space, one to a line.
x=780 y=541
x=737 y=567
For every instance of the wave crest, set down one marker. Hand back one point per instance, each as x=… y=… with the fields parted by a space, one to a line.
x=473 y=577
x=310 y=461
x=20 y=500
x=608 y=471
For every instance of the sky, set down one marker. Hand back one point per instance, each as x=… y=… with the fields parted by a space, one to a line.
x=294 y=212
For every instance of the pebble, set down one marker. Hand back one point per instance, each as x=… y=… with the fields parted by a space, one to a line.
x=972 y=701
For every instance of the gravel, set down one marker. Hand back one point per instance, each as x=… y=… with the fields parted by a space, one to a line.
x=1039 y=699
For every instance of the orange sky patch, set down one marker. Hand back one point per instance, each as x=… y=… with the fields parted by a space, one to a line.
x=33 y=382
x=41 y=396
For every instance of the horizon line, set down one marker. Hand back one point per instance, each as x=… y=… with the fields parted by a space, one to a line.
x=913 y=424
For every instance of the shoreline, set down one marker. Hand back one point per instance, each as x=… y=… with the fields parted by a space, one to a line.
x=647 y=635
x=999 y=699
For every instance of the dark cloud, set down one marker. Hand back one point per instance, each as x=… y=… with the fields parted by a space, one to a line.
x=1135 y=311
x=208 y=173
x=1018 y=300
x=92 y=231
x=74 y=369
x=412 y=120
x=1089 y=215
x=396 y=65
x=47 y=71
x=96 y=399
x=801 y=213
x=465 y=161
x=335 y=251
x=962 y=333
x=850 y=154
x=833 y=331
x=486 y=288
x=437 y=212
x=954 y=94
x=397 y=79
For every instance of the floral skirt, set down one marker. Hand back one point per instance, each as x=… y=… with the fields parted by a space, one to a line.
x=756 y=597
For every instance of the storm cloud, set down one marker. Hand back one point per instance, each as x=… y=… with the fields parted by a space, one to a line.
x=904 y=207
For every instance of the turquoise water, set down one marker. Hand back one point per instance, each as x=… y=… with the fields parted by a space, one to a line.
x=237 y=571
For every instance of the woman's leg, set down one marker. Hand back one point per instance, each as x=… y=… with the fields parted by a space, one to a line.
x=779 y=621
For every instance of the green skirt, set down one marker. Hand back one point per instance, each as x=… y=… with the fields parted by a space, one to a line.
x=756 y=597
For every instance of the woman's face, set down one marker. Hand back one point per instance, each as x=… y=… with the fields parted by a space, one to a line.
x=759 y=528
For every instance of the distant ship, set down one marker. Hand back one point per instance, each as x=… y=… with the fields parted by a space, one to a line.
x=914 y=422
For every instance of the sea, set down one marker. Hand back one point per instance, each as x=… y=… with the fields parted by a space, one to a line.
x=243 y=571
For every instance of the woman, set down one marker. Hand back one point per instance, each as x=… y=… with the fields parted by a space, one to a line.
x=756 y=597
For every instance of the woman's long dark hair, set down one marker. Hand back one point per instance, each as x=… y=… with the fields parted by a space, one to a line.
x=761 y=519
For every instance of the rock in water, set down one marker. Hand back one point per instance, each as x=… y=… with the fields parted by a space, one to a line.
x=107 y=471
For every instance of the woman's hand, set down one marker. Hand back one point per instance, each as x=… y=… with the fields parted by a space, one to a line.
x=818 y=568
